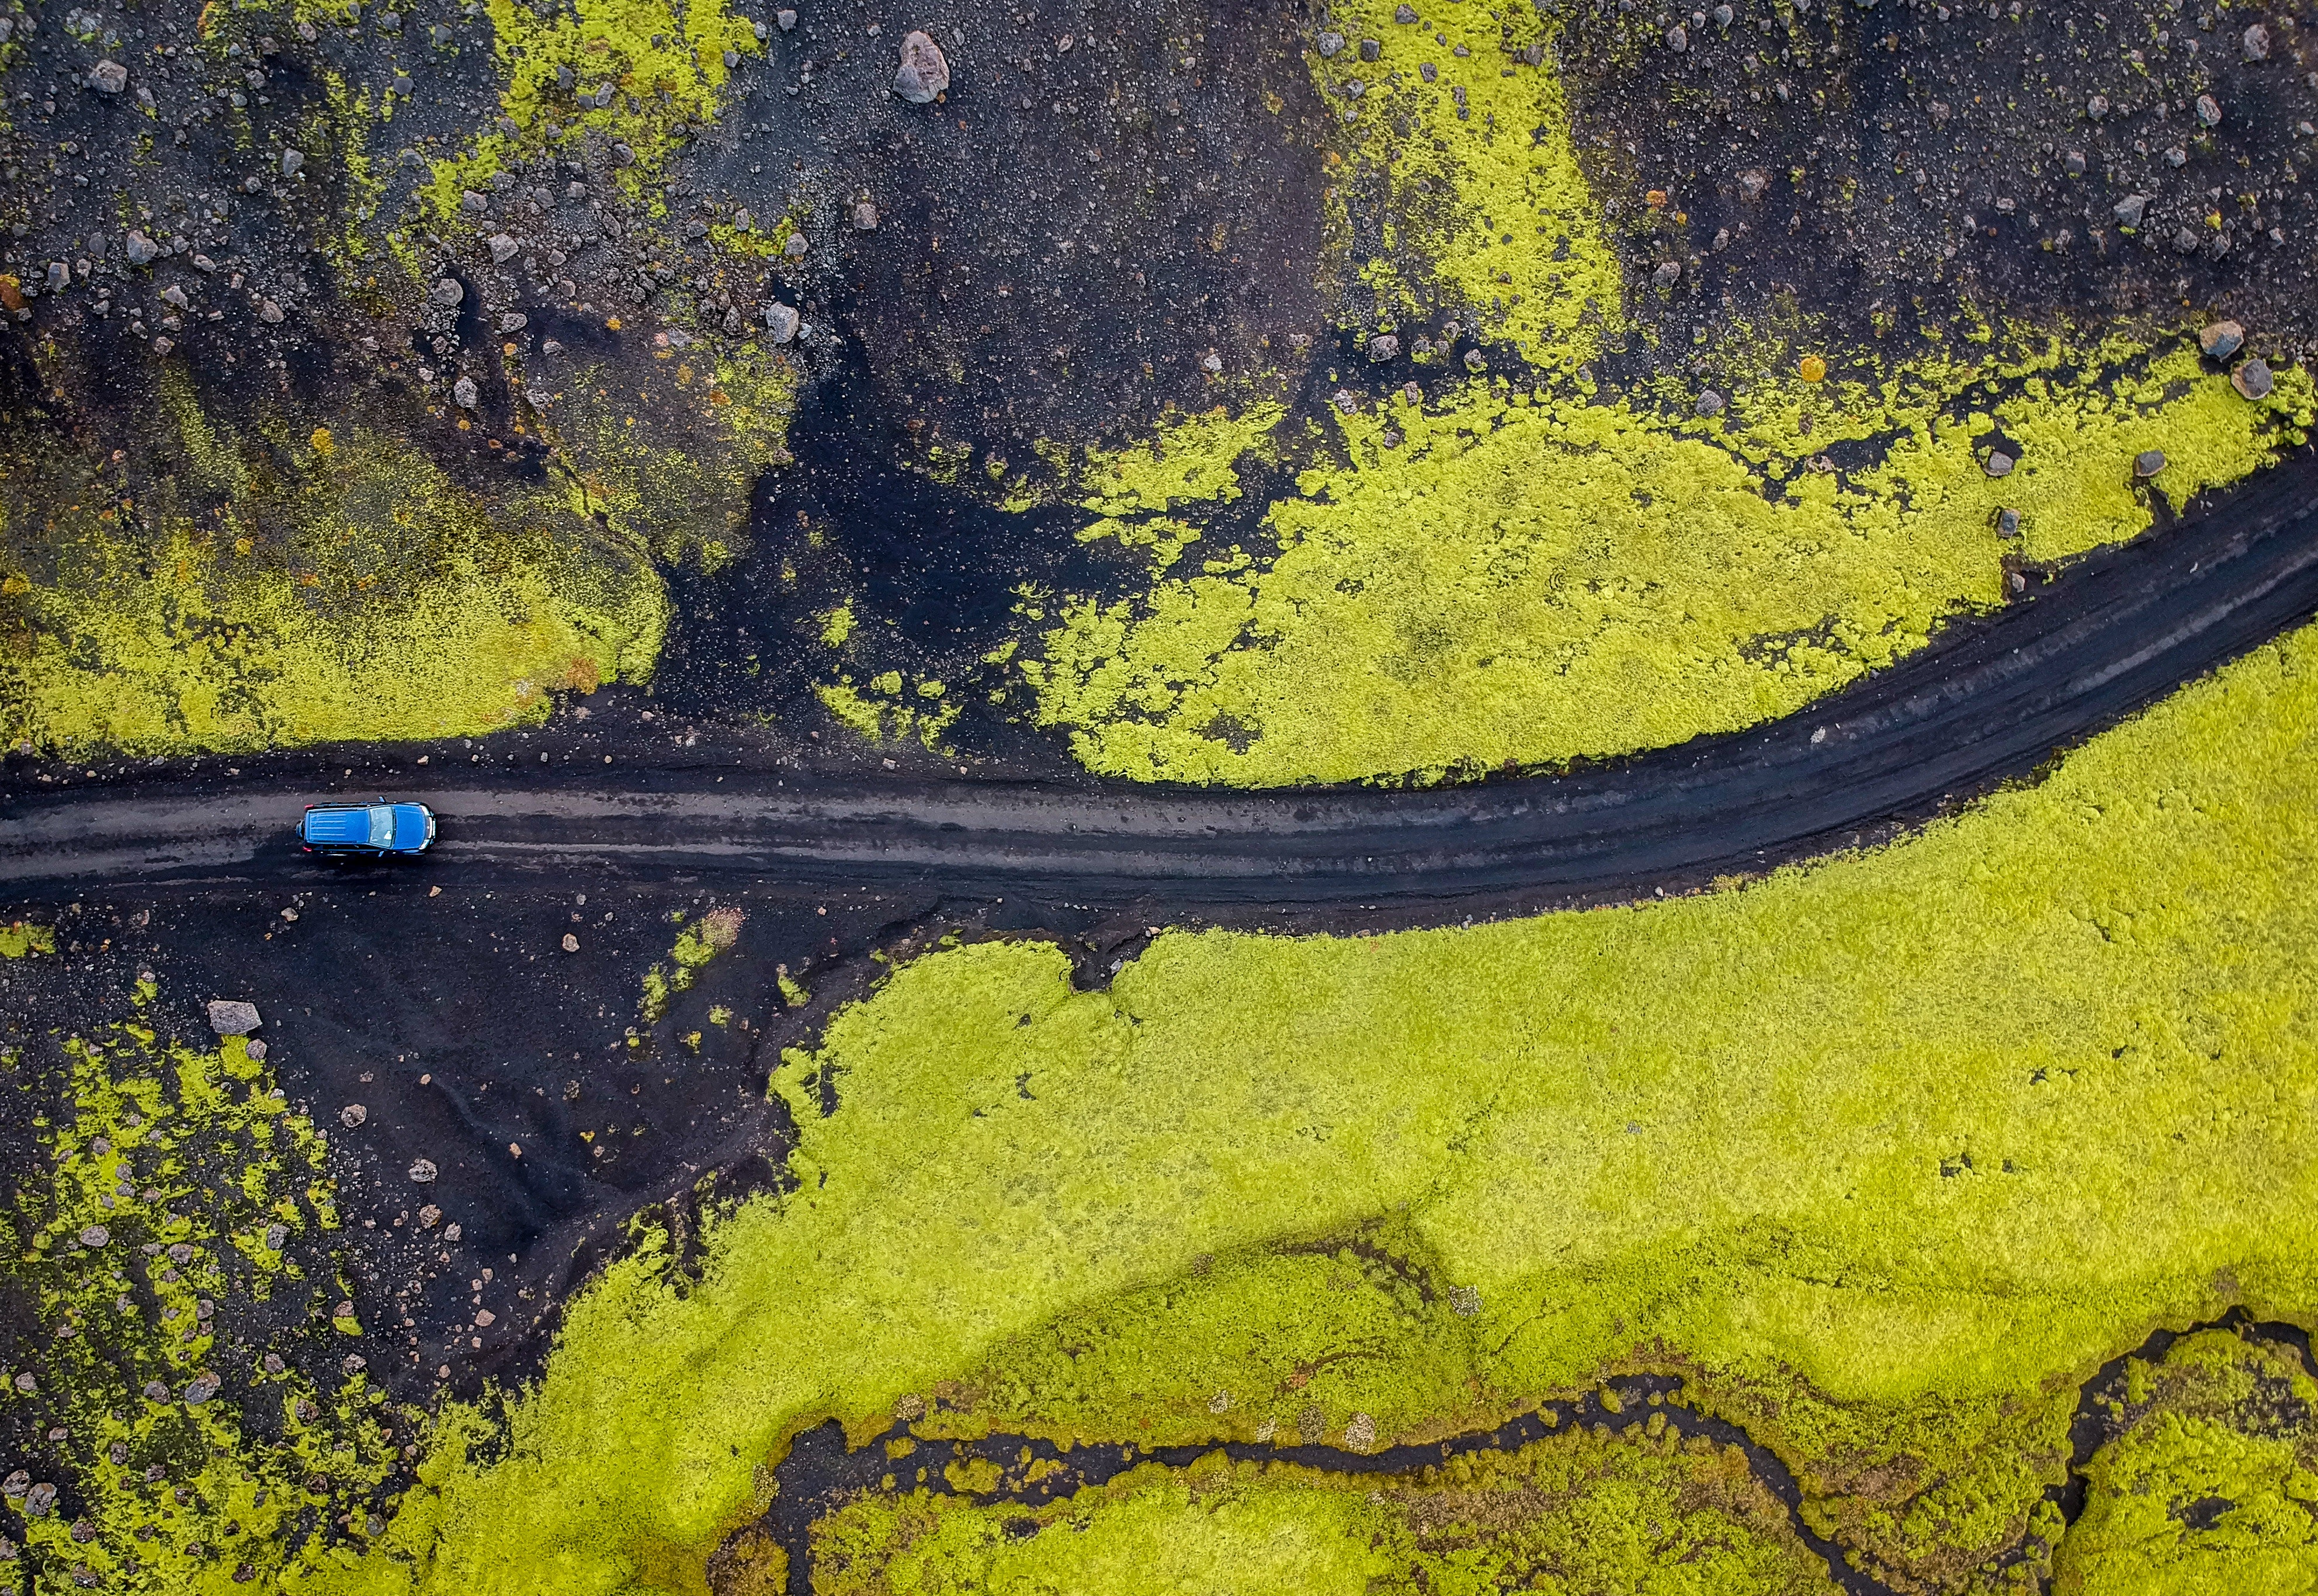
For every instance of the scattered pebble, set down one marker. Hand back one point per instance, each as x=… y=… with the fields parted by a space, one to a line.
x=781 y=322
x=255 y=1048
x=2252 y=380
x=291 y=160
x=1403 y=15
x=464 y=394
x=503 y=248
x=276 y=1236
x=2130 y=210
x=269 y=312
x=1999 y=463
x=2185 y=240
x=1346 y=401
x=2149 y=463
x=1384 y=346
x=1678 y=39
x=785 y=19
x=422 y=1171
x=924 y=70
x=1473 y=360
x=2007 y=523
x=1723 y=16
x=1330 y=43
x=201 y=1388
x=141 y=249
x=2221 y=339
x=353 y=1115
x=232 y=1018
x=108 y=77
x=2074 y=163
x=448 y=292
x=2096 y=107
x=96 y=1235
x=2209 y=112
x=1667 y=274
x=865 y=217
x=570 y=943
x=2256 y=43
x=429 y=1216
x=1710 y=403
x=272 y=1363
x=1371 y=50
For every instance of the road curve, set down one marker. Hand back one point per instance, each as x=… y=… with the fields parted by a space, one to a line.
x=1992 y=698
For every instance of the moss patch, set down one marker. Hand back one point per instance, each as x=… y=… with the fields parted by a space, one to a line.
x=1646 y=1516
x=1770 y=1134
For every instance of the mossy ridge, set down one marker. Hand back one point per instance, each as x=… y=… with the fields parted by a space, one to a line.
x=181 y=1187
x=1463 y=190
x=1502 y=577
x=663 y=61
x=1644 y=1513
x=297 y=583
x=2211 y=1483
x=1767 y=1131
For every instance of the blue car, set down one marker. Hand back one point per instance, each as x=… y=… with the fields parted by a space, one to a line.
x=367 y=830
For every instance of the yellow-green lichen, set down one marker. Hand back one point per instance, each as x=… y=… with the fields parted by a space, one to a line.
x=696 y=946
x=1768 y=1132
x=1503 y=576
x=663 y=62
x=301 y=586
x=1646 y=1514
x=20 y=938
x=178 y=1185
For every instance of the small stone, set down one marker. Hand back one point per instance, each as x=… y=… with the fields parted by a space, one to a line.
x=2175 y=155
x=269 y=312
x=513 y=321
x=42 y=1497
x=1667 y=274
x=1465 y=1301
x=2007 y=523
x=272 y=1363
x=1371 y=50
x=1678 y=39
x=2096 y=107
x=2252 y=380
x=795 y=248
x=2149 y=463
x=1211 y=363
x=446 y=292
x=1752 y=184
x=353 y=1363
x=2256 y=43
x=163 y=345
x=291 y=160
x=451 y=1233
x=1330 y=43
x=1473 y=360
x=2130 y=210
x=1723 y=16
x=781 y=324
x=2221 y=339
x=353 y=1115
x=96 y=1235
x=429 y=1216
x=2209 y=112
x=1997 y=463
x=156 y=1392
x=175 y=295
x=255 y=1048
x=924 y=70
x=2185 y=240
x=141 y=249
x=108 y=77
x=275 y=1236
x=201 y=1388
x=503 y=248
x=1346 y=401
x=1389 y=437
x=231 y=1017
x=1404 y=14
x=345 y=1310
x=59 y=277
x=1384 y=346
x=422 y=1171
x=1361 y=1434
x=181 y=1254
x=472 y=203
x=2074 y=163
x=16 y=1484
x=485 y=1319
x=865 y=217
x=1710 y=403
x=464 y=394
x=27 y=1384
x=570 y=943
x=785 y=19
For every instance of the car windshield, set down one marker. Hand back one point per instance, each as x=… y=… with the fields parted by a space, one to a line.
x=381 y=825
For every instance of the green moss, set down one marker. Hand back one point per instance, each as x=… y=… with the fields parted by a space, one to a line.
x=177 y=1178
x=1769 y=1134
x=2212 y=1484
x=664 y=59
x=1486 y=212
x=1524 y=580
x=696 y=946
x=1643 y=1515
x=300 y=586
x=19 y=937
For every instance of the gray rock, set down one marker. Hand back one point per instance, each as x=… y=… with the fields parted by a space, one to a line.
x=108 y=77
x=513 y=321
x=451 y=1233
x=446 y=292
x=1667 y=274
x=1997 y=463
x=2256 y=43
x=255 y=1048
x=2008 y=523
x=1329 y=44
x=1710 y=403
x=865 y=217
x=781 y=321
x=2175 y=155
x=473 y=203
x=59 y=277
x=1723 y=16
x=201 y=1388
x=2252 y=380
x=2221 y=339
x=1211 y=363
x=503 y=248
x=156 y=1392
x=795 y=248
x=1473 y=360
x=1384 y=346
x=2185 y=240
x=275 y=1235
x=16 y=1484
x=181 y=1254
x=2149 y=463
x=269 y=312
x=175 y=296
x=291 y=160
x=439 y=35
x=2096 y=107
x=1404 y=14
x=1371 y=50
x=229 y=1016
x=2130 y=210
x=2209 y=112
x=785 y=18
x=1678 y=39
x=272 y=1363
x=2074 y=163
x=429 y=1216
x=390 y=22
x=43 y=1497
x=923 y=71
x=353 y=1115
x=96 y=1235
x=565 y=78
x=464 y=394
x=1346 y=401
x=422 y=1171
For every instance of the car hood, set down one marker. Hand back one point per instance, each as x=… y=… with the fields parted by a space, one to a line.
x=409 y=825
